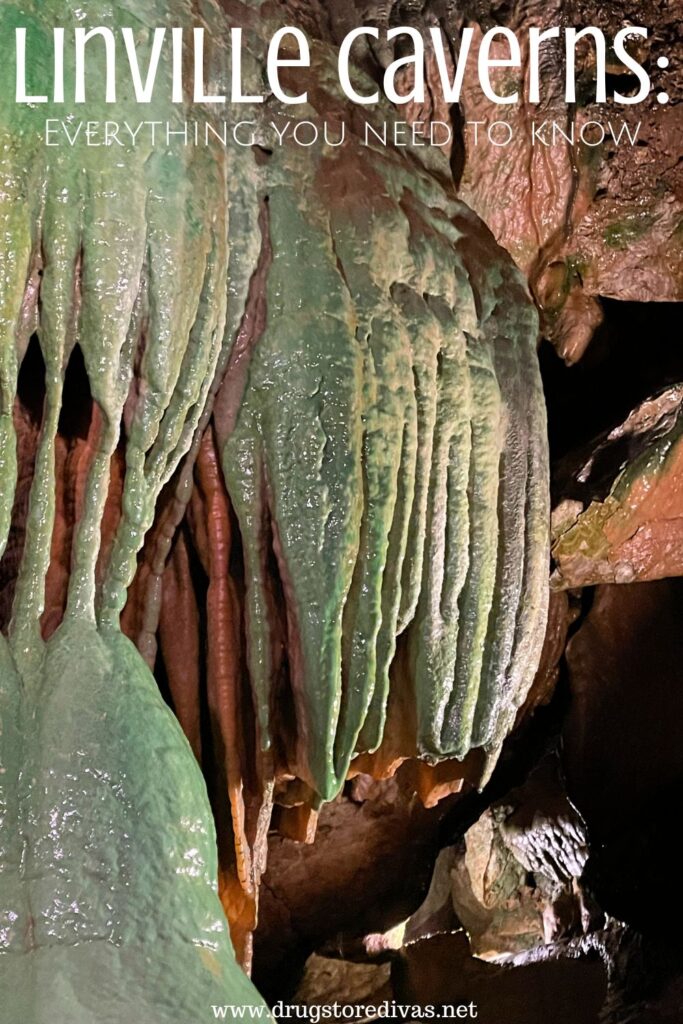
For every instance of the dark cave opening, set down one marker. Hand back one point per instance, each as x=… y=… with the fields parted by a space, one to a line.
x=29 y=408
x=633 y=355
x=76 y=412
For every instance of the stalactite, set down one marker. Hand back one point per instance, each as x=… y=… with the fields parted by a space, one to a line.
x=393 y=446
x=109 y=866
x=312 y=382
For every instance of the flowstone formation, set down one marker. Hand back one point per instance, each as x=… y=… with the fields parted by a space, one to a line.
x=108 y=905
x=391 y=432
x=317 y=369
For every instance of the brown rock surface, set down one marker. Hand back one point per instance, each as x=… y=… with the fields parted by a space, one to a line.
x=622 y=744
x=562 y=612
x=367 y=871
x=598 y=215
x=440 y=970
x=328 y=981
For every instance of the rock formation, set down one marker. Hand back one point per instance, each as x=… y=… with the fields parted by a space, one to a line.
x=275 y=475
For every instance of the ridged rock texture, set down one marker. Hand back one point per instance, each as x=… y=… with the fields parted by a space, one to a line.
x=108 y=875
x=312 y=385
x=387 y=455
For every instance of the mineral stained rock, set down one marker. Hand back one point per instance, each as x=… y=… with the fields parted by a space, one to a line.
x=387 y=445
x=587 y=198
x=636 y=532
x=375 y=476
x=512 y=881
x=108 y=901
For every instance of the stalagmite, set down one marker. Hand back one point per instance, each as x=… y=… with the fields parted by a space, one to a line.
x=108 y=866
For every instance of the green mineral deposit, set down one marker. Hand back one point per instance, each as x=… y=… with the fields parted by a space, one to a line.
x=384 y=444
x=623 y=233
x=108 y=896
x=393 y=429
